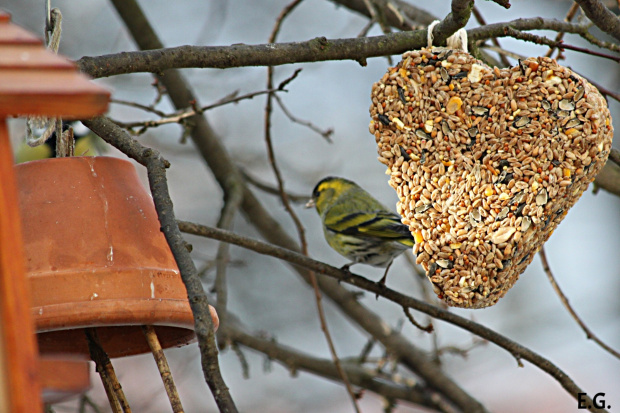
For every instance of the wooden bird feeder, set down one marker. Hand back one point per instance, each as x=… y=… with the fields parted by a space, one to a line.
x=34 y=81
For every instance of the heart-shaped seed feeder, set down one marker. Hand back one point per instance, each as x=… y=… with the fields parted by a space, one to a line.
x=486 y=162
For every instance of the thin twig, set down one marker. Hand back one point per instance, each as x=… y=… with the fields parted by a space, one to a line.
x=287 y=206
x=233 y=197
x=113 y=389
x=178 y=117
x=428 y=328
x=245 y=366
x=573 y=313
x=529 y=37
x=569 y=17
x=298 y=199
x=517 y=350
x=137 y=105
x=480 y=19
x=402 y=15
x=463 y=352
x=503 y=52
x=164 y=369
x=366 y=28
x=326 y=134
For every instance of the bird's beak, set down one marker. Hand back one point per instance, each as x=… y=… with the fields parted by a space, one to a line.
x=310 y=203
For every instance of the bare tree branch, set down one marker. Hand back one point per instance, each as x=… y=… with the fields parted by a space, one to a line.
x=319 y=49
x=413 y=13
x=386 y=386
x=203 y=326
x=517 y=350
x=569 y=308
x=601 y=16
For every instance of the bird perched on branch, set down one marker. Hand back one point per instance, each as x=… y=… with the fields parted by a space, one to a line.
x=357 y=226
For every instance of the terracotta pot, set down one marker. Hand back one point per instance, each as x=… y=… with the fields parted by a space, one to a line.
x=95 y=257
x=63 y=377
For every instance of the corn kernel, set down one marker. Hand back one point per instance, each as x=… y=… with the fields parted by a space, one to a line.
x=417 y=236
x=454 y=104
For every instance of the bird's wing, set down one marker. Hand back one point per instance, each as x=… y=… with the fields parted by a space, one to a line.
x=380 y=224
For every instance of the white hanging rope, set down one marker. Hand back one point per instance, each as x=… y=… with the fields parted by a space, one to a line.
x=429 y=34
x=53 y=24
x=457 y=41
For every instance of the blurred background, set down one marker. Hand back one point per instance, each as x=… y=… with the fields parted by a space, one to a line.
x=264 y=293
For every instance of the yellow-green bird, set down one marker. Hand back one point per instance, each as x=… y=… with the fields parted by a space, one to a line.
x=357 y=226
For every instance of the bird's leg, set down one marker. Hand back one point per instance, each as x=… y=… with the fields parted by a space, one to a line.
x=345 y=268
x=382 y=280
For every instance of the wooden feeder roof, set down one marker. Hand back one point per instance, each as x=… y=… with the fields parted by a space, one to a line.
x=35 y=81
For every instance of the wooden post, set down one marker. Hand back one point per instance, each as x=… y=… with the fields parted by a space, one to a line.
x=33 y=81
x=20 y=388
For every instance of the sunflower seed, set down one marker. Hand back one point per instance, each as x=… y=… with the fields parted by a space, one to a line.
x=518 y=197
x=401 y=95
x=525 y=223
x=479 y=110
x=431 y=269
x=579 y=94
x=423 y=208
x=475 y=215
x=404 y=154
x=521 y=122
x=566 y=104
x=520 y=209
x=444 y=75
x=460 y=75
x=502 y=214
x=445 y=128
x=421 y=134
x=445 y=264
x=541 y=197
